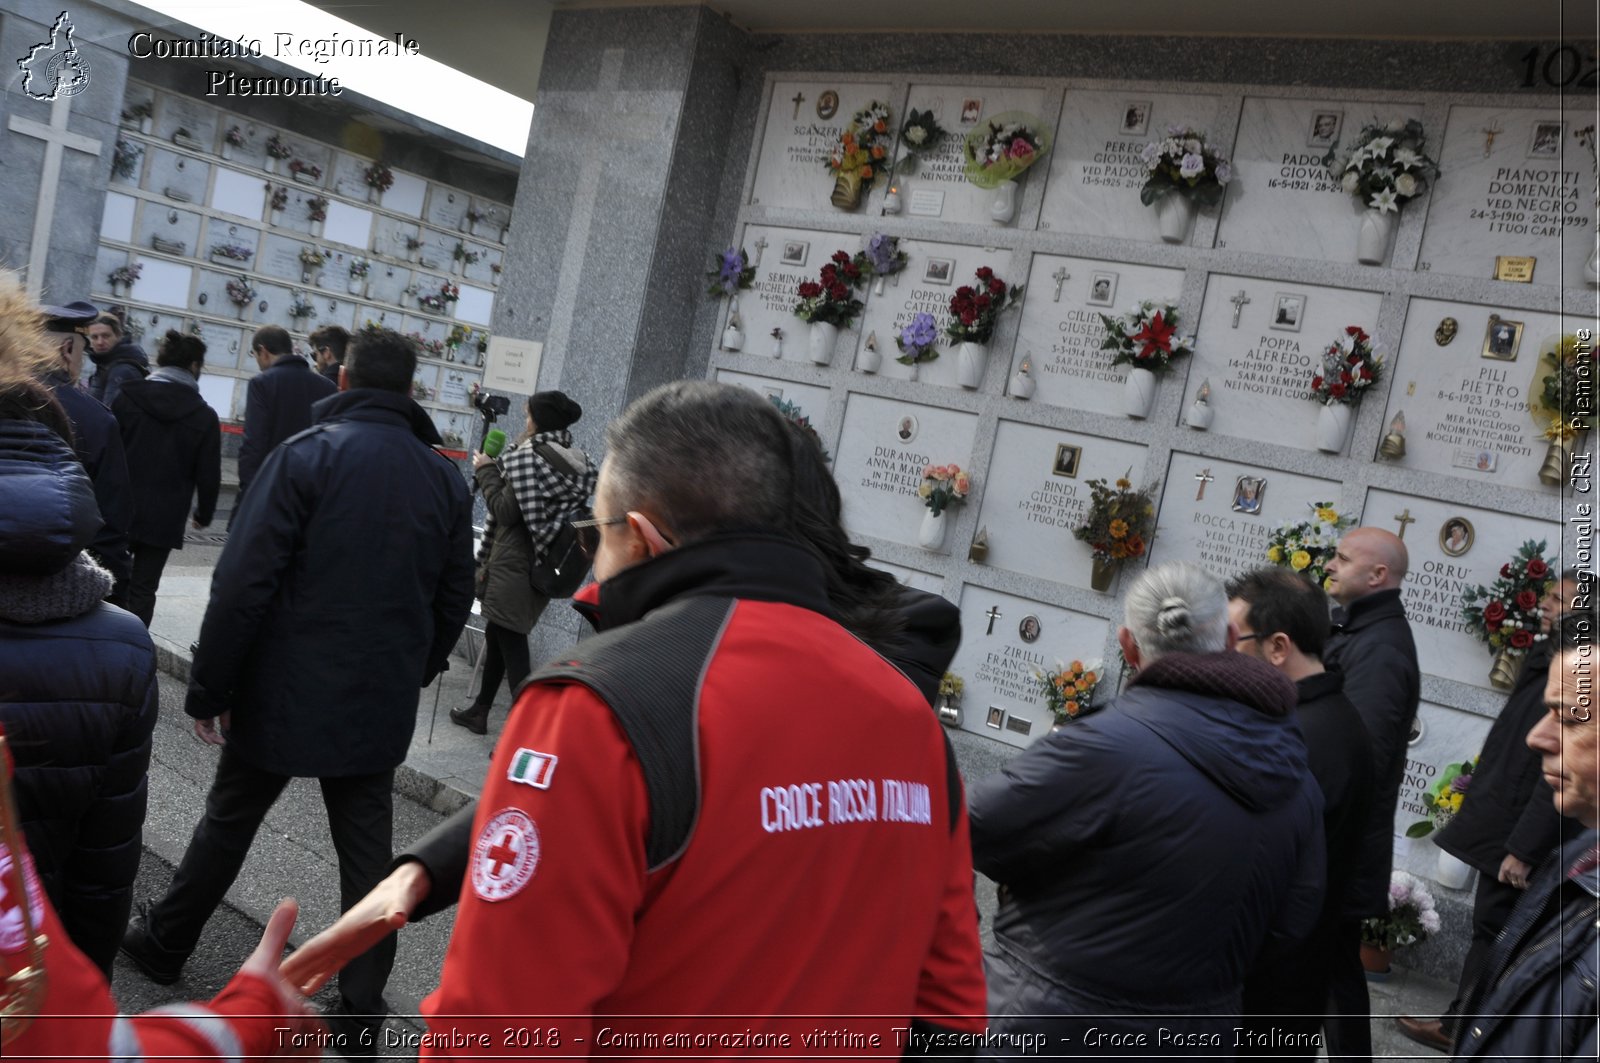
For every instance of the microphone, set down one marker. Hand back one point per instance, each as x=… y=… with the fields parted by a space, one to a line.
x=494 y=441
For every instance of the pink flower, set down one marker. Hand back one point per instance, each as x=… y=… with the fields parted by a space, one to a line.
x=962 y=482
x=1020 y=149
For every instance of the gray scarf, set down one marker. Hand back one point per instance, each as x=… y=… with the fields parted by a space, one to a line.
x=173 y=374
x=76 y=589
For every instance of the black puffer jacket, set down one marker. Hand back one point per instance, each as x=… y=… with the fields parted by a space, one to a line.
x=78 y=696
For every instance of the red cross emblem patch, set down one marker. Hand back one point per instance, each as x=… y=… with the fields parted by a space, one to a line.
x=505 y=855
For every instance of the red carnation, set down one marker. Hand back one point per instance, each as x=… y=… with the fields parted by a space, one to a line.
x=1354 y=359
x=1316 y=383
x=1521 y=639
x=984 y=273
x=1337 y=391
x=966 y=291
x=810 y=290
x=1494 y=612
x=851 y=270
x=1345 y=377
x=1505 y=571
x=1527 y=601
x=1537 y=569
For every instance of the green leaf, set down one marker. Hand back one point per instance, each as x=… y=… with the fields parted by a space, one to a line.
x=1419 y=830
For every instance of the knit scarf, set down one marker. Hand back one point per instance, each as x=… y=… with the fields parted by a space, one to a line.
x=1225 y=675
x=544 y=496
x=76 y=589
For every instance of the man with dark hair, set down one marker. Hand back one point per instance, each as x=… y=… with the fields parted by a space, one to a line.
x=1282 y=620
x=328 y=344
x=685 y=753
x=357 y=535
x=117 y=359
x=278 y=400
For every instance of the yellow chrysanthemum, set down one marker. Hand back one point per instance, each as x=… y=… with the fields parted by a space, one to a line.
x=1119 y=529
x=1299 y=560
x=1328 y=515
x=1122 y=484
x=1275 y=554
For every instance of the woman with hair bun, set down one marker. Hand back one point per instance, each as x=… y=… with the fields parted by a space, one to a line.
x=174 y=447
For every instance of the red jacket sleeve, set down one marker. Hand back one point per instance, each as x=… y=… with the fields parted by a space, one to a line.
x=951 y=991
x=557 y=873
x=245 y=1019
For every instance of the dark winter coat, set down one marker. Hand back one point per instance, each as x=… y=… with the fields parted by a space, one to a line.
x=278 y=403
x=117 y=368
x=1146 y=853
x=78 y=697
x=1509 y=808
x=99 y=446
x=174 y=446
x=345 y=583
x=1537 y=997
x=1374 y=649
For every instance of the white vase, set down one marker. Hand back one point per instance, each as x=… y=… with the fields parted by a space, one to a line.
x=271 y=165
x=227 y=151
x=1372 y=243
x=877 y=284
x=505 y=230
x=1138 y=392
x=820 y=344
x=970 y=361
x=355 y=285
x=775 y=346
x=1199 y=416
x=305 y=276
x=931 y=535
x=1174 y=212
x=1333 y=425
x=1591 y=268
x=1003 y=207
x=455 y=267
x=913 y=371
x=1022 y=385
x=733 y=338
x=116 y=289
x=244 y=311
x=322 y=279
x=871 y=358
x=146 y=124
x=316 y=227
x=275 y=217
x=375 y=195
x=1451 y=872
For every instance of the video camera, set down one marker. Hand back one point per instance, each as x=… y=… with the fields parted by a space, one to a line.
x=489 y=406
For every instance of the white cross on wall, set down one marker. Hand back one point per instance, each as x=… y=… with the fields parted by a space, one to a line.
x=56 y=139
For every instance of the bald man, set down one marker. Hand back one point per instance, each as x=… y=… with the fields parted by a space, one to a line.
x=1372 y=645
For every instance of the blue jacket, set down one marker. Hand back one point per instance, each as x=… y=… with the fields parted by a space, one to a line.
x=1536 y=998
x=99 y=447
x=345 y=583
x=1146 y=853
x=78 y=696
x=278 y=403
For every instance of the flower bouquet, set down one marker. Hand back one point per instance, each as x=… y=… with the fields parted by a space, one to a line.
x=1505 y=615
x=308 y=172
x=140 y=116
x=1349 y=367
x=855 y=160
x=829 y=303
x=1307 y=546
x=974 y=311
x=276 y=148
x=1000 y=151
x=1116 y=527
x=943 y=486
x=1184 y=170
x=792 y=412
x=733 y=274
x=379 y=180
x=1069 y=691
x=124 y=277
x=241 y=295
x=1443 y=801
x=1146 y=338
x=882 y=258
x=1572 y=366
x=233 y=138
x=948 y=703
x=277 y=200
x=1412 y=917
x=311 y=260
x=1384 y=170
x=125 y=159
x=301 y=307
x=231 y=252
x=916 y=341
x=920 y=135
x=360 y=267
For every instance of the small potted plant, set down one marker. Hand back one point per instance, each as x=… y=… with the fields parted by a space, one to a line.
x=916 y=342
x=495 y=269
x=300 y=307
x=1443 y=800
x=241 y=295
x=379 y=180
x=140 y=116
x=233 y=138
x=359 y=268
x=185 y=139
x=1349 y=367
x=974 y=311
x=857 y=158
x=413 y=248
x=1145 y=338
x=1412 y=917
x=883 y=259
x=732 y=275
x=1069 y=690
x=829 y=304
x=277 y=200
x=277 y=151
x=1385 y=169
x=311 y=263
x=317 y=211
x=1117 y=527
x=125 y=159
x=1566 y=400
x=948 y=705
x=1306 y=546
x=123 y=277
x=775 y=342
x=1184 y=170
x=943 y=486
x=1505 y=614
x=307 y=173
x=1000 y=151
x=225 y=253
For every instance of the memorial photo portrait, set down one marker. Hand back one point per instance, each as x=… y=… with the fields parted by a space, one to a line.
x=827 y=104
x=1324 y=131
x=1502 y=338
x=1135 y=118
x=1066 y=463
x=996 y=717
x=795 y=252
x=906 y=430
x=1455 y=537
x=939 y=270
x=971 y=111
x=1287 y=310
x=1028 y=630
x=1546 y=140
x=1102 y=289
x=1247 y=492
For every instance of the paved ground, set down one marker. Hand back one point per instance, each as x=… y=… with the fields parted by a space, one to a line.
x=293 y=855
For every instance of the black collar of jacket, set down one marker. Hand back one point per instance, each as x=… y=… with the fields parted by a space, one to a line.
x=1369 y=609
x=375 y=404
x=757 y=565
x=1320 y=685
x=289 y=361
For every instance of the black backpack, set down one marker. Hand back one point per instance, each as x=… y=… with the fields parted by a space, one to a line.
x=564 y=566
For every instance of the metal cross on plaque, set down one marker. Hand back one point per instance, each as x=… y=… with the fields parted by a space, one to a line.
x=1405 y=519
x=1489 y=132
x=1060 y=277
x=993 y=614
x=1238 y=302
x=799 y=98
x=761 y=245
x=1205 y=477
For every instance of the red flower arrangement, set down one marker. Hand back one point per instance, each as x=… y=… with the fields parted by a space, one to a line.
x=1349 y=367
x=1505 y=616
x=831 y=298
x=1146 y=337
x=975 y=308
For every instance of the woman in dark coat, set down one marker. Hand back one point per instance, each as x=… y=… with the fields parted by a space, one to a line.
x=174 y=447
x=531 y=489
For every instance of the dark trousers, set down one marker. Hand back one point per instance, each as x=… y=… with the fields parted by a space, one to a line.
x=361 y=819
x=1349 y=1019
x=1491 y=907
x=1285 y=999
x=505 y=657
x=148 y=562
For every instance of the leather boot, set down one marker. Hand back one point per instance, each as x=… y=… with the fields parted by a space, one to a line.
x=1430 y=1032
x=474 y=718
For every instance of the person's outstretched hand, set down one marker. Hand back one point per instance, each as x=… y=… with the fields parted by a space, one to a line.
x=382 y=911
x=298 y=1014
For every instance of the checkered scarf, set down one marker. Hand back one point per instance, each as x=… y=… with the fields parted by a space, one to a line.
x=545 y=496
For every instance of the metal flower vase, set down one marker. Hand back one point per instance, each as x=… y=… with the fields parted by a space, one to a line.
x=847 y=189
x=1503 y=673
x=949 y=710
x=1102 y=575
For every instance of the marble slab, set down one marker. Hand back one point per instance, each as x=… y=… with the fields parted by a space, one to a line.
x=784 y=259
x=883 y=448
x=219 y=391
x=911 y=577
x=1095 y=170
x=1527 y=190
x=148 y=326
x=1037 y=492
x=476 y=305
x=1061 y=337
x=1442 y=568
x=168 y=172
x=223 y=231
x=238 y=193
x=391 y=236
x=253 y=152
x=225 y=344
x=933 y=273
x=351 y=226
x=181 y=112
x=348 y=176
x=1442 y=736
x=447 y=208
x=386 y=281
x=1467 y=414
x=791 y=161
x=455 y=385
x=960 y=109
x=811 y=400
x=280 y=257
x=116 y=219
x=998 y=663
x=1261 y=372
x=157 y=220
x=1223 y=523
x=162 y=282
x=1282 y=200
x=107 y=259
x=406 y=195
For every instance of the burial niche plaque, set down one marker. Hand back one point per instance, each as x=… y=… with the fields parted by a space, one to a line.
x=804 y=121
x=882 y=451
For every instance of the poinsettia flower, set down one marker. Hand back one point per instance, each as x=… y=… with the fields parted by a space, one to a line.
x=1155 y=338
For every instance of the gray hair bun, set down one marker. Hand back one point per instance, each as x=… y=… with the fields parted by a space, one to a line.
x=1174 y=616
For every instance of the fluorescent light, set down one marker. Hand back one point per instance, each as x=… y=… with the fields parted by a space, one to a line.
x=413 y=83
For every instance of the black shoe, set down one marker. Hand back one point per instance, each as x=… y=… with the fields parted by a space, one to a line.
x=474 y=718
x=354 y=1036
x=159 y=966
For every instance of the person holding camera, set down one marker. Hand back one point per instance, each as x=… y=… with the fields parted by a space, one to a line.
x=531 y=490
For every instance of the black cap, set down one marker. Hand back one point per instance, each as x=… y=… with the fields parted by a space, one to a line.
x=69 y=318
x=552 y=411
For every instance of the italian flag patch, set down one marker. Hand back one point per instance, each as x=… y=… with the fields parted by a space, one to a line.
x=532 y=768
